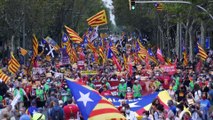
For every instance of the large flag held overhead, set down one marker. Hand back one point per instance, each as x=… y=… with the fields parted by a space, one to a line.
x=35 y=46
x=92 y=105
x=144 y=103
x=4 y=77
x=98 y=19
x=13 y=64
x=73 y=35
x=201 y=53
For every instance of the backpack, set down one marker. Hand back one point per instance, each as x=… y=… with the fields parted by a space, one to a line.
x=56 y=113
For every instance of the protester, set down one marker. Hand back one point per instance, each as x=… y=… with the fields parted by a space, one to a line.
x=48 y=96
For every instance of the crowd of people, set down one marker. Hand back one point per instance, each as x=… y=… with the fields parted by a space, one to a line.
x=49 y=98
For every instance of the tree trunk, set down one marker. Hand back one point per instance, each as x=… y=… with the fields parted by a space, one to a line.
x=190 y=45
x=12 y=43
x=203 y=32
x=177 y=40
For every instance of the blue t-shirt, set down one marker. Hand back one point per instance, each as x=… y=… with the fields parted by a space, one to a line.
x=173 y=109
x=205 y=105
x=32 y=109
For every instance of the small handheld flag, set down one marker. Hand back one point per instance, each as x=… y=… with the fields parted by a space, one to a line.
x=22 y=51
x=92 y=105
x=98 y=19
x=35 y=46
x=160 y=55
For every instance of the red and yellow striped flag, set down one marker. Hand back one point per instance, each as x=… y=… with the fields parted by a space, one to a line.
x=202 y=53
x=13 y=64
x=4 y=77
x=71 y=52
x=101 y=53
x=35 y=46
x=98 y=19
x=125 y=62
x=114 y=49
x=91 y=47
x=185 y=59
x=73 y=35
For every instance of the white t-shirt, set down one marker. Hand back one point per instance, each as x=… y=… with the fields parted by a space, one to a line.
x=197 y=95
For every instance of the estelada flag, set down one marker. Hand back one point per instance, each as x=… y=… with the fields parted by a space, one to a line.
x=91 y=104
x=98 y=19
x=73 y=35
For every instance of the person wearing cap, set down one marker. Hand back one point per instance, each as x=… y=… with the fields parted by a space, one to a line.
x=137 y=89
x=122 y=87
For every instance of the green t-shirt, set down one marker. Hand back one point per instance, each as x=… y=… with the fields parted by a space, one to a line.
x=46 y=87
x=21 y=92
x=137 y=90
x=40 y=94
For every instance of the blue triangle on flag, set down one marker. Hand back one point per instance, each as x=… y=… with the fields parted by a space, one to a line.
x=85 y=98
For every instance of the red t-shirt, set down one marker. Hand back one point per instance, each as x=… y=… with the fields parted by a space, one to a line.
x=28 y=89
x=166 y=81
x=70 y=109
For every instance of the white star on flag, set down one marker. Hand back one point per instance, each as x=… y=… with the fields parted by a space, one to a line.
x=84 y=98
x=132 y=105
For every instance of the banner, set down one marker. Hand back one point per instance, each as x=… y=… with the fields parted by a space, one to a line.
x=37 y=72
x=89 y=72
x=64 y=57
x=170 y=69
x=80 y=64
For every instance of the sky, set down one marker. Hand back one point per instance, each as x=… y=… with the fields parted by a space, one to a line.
x=108 y=4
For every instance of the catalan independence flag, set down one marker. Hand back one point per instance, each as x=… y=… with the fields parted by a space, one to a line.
x=73 y=35
x=13 y=64
x=71 y=52
x=201 y=52
x=101 y=53
x=98 y=19
x=91 y=104
x=4 y=77
x=35 y=46
x=91 y=47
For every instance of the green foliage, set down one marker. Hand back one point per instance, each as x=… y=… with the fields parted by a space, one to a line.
x=45 y=17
